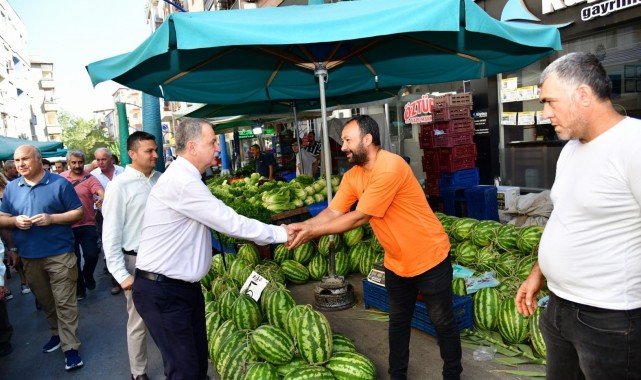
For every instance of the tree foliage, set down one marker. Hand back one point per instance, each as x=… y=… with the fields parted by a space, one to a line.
x=78 y=133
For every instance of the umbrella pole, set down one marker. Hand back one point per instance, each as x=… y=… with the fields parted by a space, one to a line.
x=296 y=140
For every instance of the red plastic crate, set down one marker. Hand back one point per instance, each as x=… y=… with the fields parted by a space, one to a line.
x=455 y=126
x=430 y=160
x=453 y=139
x=453 y=100
x=468 y=150
x=426 y=140
x=431 y=186
x=454 y=164
x=442 y=114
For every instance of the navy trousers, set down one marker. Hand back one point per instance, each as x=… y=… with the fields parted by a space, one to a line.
x=175 y=317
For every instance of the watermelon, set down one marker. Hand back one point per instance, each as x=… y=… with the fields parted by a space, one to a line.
x=226 y=301
x=314 y=337
x=212 y=322
x=485 y=308
x=249 y=253
x=323 y=244
x=447 y=222
x=266 y=294
x=341 y=343
x=318 y=267
x=245 y=313
x=235 y=365
x=281 y=253
x=211 y=306
x=209 y=296
x=240 y=270
x=261 y=371
x=513 y=326
x=528 y=239
x=462 y=228
x=484 y=232
x=506 y=237
x=280 y=302
x=466 y=253
x=375 y=244
x=506 y=264
x=205 y=282
x=272 y=273
x=225 y=329
x=535 y=334
x=304 y=253
x=341 y=263
x=458 y=287
x=356 y=252
x=272 y=344
x=353 y=236
x=295 y=271
x=292 y=319
x=352 y=366
x=368 y=258
x=228 y=345
x=310 y=373
x=292 y=365
x=486 y=258
x=222 y=283
x=222 y=264
x=524 y=267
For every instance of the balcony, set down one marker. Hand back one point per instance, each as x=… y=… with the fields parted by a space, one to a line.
x=50 y=106
x=47 y=84
x=54 y=130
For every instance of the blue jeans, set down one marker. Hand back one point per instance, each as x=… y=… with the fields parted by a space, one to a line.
x=87 y=238
x=436 y=287
x=585 y=342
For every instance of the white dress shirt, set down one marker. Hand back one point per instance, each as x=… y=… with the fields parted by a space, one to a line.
x=123 y=209
x=104 y=180
x=176 y=237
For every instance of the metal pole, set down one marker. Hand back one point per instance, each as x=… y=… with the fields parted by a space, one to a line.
x=123 y=133
x=296 y=140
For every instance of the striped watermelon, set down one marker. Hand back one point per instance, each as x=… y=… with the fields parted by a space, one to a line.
x=295 y=271
x=224 y=330
x=376 y=245
x=292 y=319
x=466 y=253
x=281 y=253
x=341 y=263
x=462 y=228
x=245 y=313
x=458 y=287
x=368 y=258
x=508 y=287
x=223 y=264
x=286 y=368
x=266 y=294
x=513 y=326
x=261 y=371
x=249 y=253
x=227 y=346
x=208 y=296
x=524 y=267
x=341 y=343
x=356 y=252
x=485 y=309
x=528 y=239
x=239 y=359
x=240 y=270
x=272 y=344
x=314 y=337
x=318 y=267
x=486 y=258
x=506 y=264
x=484 y=232
x=323 y=244
x=447 y=222
x=212 y=322
x=211 y=306
x=353 y=236
x=226 y=301
x=535 y=333
x=280 y=302
x=506 y=237
x=351 y=366
x=310 y=373
x=222 y=283
x=304 y=253
x=272 y=273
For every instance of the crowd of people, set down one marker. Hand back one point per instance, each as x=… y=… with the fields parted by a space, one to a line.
x=155 y=231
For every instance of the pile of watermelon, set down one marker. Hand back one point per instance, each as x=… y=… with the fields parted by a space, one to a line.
x=274 y=338
x=508 y=251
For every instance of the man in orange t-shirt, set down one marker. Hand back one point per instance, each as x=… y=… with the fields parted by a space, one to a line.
x=416 y=245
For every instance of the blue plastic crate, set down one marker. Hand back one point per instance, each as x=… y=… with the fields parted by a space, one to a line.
x=482 y=203
x=374 y=295
x=221 y=248
x=460 y=178
x=288 y=176
x=315 y=208
x=450 y=196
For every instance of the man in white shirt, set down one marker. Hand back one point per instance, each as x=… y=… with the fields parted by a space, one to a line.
x=105 y=172
x=175 y=251
x=590 y=251
x=306 y=163
x=123 y=209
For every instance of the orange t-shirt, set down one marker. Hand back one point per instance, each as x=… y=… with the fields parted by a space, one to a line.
x=413 y=238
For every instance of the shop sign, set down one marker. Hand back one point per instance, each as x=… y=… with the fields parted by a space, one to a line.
x=248 y=134
x=590 y=12
x=419 y=111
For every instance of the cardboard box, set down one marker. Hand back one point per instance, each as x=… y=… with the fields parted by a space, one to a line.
x=505 y=196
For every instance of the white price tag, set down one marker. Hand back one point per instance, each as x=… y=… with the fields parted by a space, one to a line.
x=254 y=286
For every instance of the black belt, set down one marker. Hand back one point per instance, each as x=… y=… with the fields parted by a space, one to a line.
x=130 y=253
x=158 y=277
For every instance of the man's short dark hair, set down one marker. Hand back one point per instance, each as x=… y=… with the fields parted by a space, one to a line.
x=367 y=125
x=255 y=146
x=135 y=138
x=46 y=162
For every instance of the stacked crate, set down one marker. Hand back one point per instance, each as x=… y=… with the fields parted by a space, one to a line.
x=448 y=143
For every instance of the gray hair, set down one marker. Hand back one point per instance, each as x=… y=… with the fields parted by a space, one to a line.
x=580 y=68
x=76 y=153
x=102 y=150
x=188 y=130
x=9 y=164
x=36 y=150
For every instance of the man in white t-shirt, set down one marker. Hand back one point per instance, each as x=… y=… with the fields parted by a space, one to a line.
x=590 y=251
x=306 y=163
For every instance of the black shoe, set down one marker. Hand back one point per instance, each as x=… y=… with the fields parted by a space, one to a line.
x=115 y=290
x=140 y=377
x=90 y=283
x=81 y=296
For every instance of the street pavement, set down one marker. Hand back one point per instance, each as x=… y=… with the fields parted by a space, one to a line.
x=102 y=331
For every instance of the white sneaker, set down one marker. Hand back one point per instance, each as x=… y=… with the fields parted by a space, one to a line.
x=25 y=289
